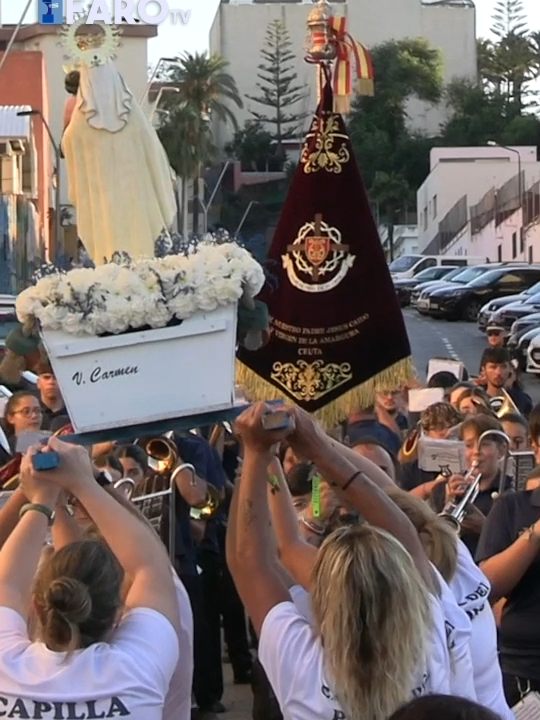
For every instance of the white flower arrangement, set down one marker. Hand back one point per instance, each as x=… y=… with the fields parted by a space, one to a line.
x=127 y=295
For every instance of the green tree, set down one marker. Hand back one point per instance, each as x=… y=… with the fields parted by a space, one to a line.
x=252 y=146
x=206 y=91
x=379 y=126
x=279 y=91
x=509 y=17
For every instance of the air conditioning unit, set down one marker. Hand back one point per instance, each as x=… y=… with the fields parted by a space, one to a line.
x=5 y=149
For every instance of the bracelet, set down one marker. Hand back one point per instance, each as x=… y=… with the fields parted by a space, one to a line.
x=351 y=480
x=37 y=507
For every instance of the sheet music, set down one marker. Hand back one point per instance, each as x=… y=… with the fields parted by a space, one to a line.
x=441 y=456
x=528 y=708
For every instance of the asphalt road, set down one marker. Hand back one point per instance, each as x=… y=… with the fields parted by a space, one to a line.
x=457 y=340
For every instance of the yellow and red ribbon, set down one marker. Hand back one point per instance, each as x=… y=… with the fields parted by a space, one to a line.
x=349 y=51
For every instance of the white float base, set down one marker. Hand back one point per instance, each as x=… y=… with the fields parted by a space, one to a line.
x=143 y=377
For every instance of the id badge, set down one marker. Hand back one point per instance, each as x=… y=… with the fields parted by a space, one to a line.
x=528 y=708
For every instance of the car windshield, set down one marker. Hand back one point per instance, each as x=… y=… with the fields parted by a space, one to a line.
x=487 y=278
x=468 y=275
x=534 y=290
x=404 y=263
x=454 y=273
x=433 y=273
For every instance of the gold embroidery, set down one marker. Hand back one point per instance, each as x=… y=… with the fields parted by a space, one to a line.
x=321 y=151
x=308 y=382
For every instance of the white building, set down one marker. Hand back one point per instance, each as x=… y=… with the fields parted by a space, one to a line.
x=239 y=28
x=405 y=240
x=459 y=178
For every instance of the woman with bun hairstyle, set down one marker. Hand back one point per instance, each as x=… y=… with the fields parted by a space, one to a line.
x=471 y=626
x=97 y=654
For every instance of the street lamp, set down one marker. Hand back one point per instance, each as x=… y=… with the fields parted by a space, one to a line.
x=492 y=143
x=164 y=89
x=57 y=195
x=206 y=208
x=244 y=216
x=160 y=62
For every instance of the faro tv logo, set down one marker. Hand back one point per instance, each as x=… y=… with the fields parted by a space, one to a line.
x=110 y=12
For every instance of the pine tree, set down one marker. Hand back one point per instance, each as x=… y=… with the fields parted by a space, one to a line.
x=509 y=18
x=278 y=87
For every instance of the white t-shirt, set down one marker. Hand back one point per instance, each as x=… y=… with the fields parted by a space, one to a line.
x=434 y=677
x=287 y=642
x=458 y=635
x=129 y=676
x=471 y=589
x=178 y=700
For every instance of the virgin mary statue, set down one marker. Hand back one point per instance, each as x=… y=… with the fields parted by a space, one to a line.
x=119 y=177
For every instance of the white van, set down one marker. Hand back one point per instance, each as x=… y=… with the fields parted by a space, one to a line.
x=407 y=266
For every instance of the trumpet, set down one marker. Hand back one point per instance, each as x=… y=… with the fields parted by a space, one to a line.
x=163 y=460
x=456 y=511
x=503 y=405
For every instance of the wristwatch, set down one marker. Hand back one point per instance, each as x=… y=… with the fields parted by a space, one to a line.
x=103 y=478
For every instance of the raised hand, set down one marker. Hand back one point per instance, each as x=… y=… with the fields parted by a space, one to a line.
x=249 y=428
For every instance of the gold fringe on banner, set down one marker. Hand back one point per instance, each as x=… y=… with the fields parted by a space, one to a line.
x=365 y=87
x=258 y=389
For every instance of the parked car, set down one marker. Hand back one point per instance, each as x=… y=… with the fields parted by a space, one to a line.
x=465 y=301
x=520 y=339
x=406 y=285
x=484 y=316
x=415 y=294
x=533 y=356
x=407 y=266
x=508 y=314
x=459 y=280
x=8 y=319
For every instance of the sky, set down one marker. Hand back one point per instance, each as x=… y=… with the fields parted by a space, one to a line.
x=177 y=38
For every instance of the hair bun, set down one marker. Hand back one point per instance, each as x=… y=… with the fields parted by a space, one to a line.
x=71 y=599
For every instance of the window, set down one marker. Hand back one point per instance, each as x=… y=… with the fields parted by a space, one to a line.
x=499 y=253
x=510 y=279
x=522 y=241
x=434 y=206
x=530 y=254
x=514 y=246
x=427 y=263
x=425 y=218
x=28 y=185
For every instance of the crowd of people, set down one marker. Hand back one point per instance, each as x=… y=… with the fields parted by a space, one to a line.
x=332 y=573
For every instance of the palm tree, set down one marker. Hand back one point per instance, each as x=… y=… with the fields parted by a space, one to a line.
x=206 y=91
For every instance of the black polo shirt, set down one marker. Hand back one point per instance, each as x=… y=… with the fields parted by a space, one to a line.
x=49 y=415
x=519 y=633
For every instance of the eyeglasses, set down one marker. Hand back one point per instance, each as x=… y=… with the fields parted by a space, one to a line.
x=28 y=412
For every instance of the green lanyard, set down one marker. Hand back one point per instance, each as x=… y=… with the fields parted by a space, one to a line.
x=316 y=495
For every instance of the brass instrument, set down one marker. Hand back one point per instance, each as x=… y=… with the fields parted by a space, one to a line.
x=409 y=449
x=503 y=405
x=454 y=511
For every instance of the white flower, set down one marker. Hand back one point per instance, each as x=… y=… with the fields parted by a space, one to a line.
x=149 y=292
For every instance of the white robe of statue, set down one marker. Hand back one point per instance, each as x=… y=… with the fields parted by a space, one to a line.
x=118 y=173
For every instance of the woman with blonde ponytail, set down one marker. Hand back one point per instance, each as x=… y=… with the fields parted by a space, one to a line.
x=361 y=648
x=472 y=633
